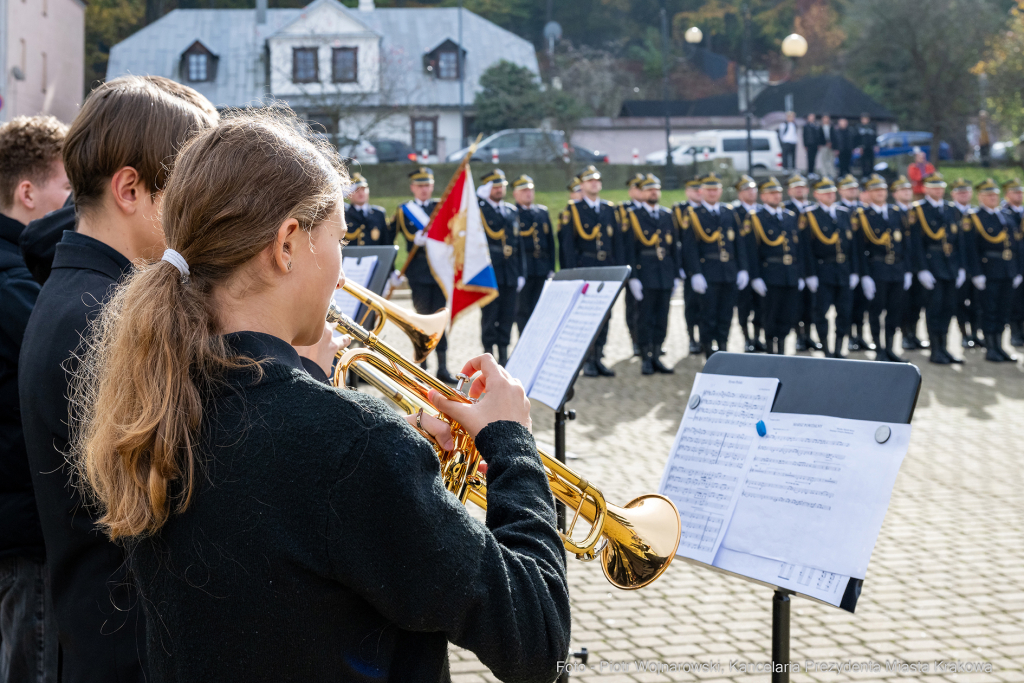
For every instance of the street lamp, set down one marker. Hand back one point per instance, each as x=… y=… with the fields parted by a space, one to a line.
x=693 y=35
x=670 y=181
x=794 y=45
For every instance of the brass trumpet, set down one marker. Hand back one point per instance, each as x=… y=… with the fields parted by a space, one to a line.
x=639 y=540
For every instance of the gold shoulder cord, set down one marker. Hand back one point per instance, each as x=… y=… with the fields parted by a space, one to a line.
x=816 y=229
x=940 y=235
x=1003 y=237
x=400 y=218
x=593 y=234
x=865 y=224
x=683 y=223
x=760 y=233
x=716 y=236
x=638 y=231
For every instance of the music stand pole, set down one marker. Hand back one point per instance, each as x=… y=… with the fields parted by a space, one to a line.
x=561 y=415
x=780 y=637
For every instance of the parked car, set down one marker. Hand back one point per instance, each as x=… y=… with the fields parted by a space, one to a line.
x=727 y=144
x=394 y=151
x=529 y=145
x=903 y=143
x=363 y=151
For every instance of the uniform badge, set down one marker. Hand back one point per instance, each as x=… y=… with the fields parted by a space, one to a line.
x=545 y=228
x=730 y=234
x=724 y=256
x=913 y=218
x=668 y=238
x=897 y=235
x=611 y=231
x=602 y=255
x=840 y=257
x=375 y=234
x=507 y=250
x=849 y=234
x=952 y=228
x=787 y=259
x=890 y=259
x=947 y=249
x=1007 y=254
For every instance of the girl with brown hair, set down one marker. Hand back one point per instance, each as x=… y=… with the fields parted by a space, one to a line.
x=279 y=529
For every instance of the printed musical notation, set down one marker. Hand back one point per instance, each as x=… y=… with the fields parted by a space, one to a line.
x=711 y=455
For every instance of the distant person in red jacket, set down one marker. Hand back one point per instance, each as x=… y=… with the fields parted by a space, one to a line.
x=918 y=171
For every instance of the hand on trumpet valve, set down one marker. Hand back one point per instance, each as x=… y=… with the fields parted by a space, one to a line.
x=439 y=430
x=323 y=352
x=501 y=397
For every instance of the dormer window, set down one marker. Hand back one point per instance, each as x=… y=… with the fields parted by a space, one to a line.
x=198 y=64
x=305 y=68
x=344 y=65
x=448 y=66
x=443 y=61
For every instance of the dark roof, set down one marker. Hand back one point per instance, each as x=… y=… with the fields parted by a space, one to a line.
x=833 y=95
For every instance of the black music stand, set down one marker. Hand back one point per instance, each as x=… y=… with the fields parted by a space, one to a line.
x=856 y=390
x=386 y=255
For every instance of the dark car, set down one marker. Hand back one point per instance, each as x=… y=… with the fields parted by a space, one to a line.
x=903 y=143
x=393 y=151
x=530 y=145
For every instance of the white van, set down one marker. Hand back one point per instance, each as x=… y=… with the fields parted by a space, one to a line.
x=728 y=144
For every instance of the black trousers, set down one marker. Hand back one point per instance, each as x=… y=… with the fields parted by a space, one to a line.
x=633 y=315
x=780 y=310
x=826 y=297
x=969 y=306
x=691 y=306
x=891 y=298
x=428 y=298
x=859 y=307
x=747 y=303
x=788 y=155
x=653 y=317
x=1017 y=305
x=867 y=163
x=496 y=318
x=917 y=298
x=805 y=310
x=528 y=299
x=844 y=162
x=941 y=302
x=812 y=153
x=716 y=306
x=997 y=297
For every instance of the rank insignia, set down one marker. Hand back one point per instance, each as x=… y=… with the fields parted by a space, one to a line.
x=897 y=235
x=730 y=234
x=849 y=234
x=375 y=234
x=668 y=238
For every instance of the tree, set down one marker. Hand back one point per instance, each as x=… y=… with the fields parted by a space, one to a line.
x=1004 y=68
x=917 y=59
x=510 y=98
x=107 y=22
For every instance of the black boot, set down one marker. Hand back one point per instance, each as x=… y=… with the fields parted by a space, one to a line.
x=695 y=346
x=647 y=368
x=442 y=368
x=589 y=368
x=992 y=354
x=636 y=350
x=910 y=341
x=658 y=365
x=838 y=353
x=602 y=370
x=887 y=352
x=938 y=357
x=1009 y=357
x=801 y=341
x=965 y=338
x=502 y=355
x=941 y=340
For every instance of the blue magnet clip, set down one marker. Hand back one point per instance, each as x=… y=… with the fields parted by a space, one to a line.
x=761 y=429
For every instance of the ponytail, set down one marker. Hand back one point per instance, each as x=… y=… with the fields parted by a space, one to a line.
x=153 y=355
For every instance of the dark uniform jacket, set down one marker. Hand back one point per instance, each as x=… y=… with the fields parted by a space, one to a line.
x=590 y=238
x=991 y=245
x=20 y=533
x=831 y=247
x=779 y=259
x=711 y=244
x=418 y=270
x=502 y=228
x=537 y=240
x=99 y=619
x=936 y=235
x=888 y=252
x=843 y=139
x=653 y=247
x=369 y=228
x=791 y=205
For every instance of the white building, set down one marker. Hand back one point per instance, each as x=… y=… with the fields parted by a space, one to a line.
x=367 y=72
x=42 y=57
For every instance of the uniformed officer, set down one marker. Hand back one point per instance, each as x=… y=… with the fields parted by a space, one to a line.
x=501 y=223
x=933 y=227
x=888 y=260
x=833 y=264
x=636 y=200
x=565 y=218
x=653 y=252
x=1013 y=207
x=367 y=224
x=902 y=191
x=968 y=299
x=590 y=238
x=715 y=261
x=691 y=300
x=992 y=253
x=411 y=220
x=777 y=265
x=849 y=193
x=747 y=302
x=537 y=241
x=797 y=187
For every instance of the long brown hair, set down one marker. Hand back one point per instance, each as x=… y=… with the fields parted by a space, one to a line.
x=153 y=353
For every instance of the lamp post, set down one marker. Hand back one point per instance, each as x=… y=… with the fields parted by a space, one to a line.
x=670 y=181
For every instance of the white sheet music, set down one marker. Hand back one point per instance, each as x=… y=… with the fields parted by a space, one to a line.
x=711 y=455
x=817 y=492
x=825 y=586
x=360 y=271
x=563 y=360
x=542 y=329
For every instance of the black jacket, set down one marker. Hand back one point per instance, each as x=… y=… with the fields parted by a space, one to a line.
x=20 y=533
x=537 y=240
x=843 y=139
x=832 y=259
x=712 y=245
x=418 y=270
x=502 y=230
x=590 y=238
x=322 y=546
x=39 y=239
x=813 y=135
x=98 y=620
x=653 y=248
x=936 y=235
x=368 y=229
x=867 y=138
x=779 y=259
x=888 y=251
x=992 y=245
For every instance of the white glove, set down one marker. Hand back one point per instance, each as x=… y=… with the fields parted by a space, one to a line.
x=637 y=288
x=699 y=284
x=551 y=274
x=395 y=279
x=682 y=274
x=677 y=283
x=979 y=282
x=759 y=286
x=812 y=283
x=520 y=283
x=854 y=280
x=926 y=278
x=420 y=239
x=868 y=285
x=800 y=284
x=908 y=279
x=742 y=279
x=961 y=278
x=1017 y=279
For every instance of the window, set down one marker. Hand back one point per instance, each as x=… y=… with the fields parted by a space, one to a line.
x=506 y=141
x=344 y=64
x=448 y=66
x=197 y=68
x=321 y=123
x=740 y=144
x=304 y=65
x=424 y=134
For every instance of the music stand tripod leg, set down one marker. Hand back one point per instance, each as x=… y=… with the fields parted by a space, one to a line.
x=780 y=636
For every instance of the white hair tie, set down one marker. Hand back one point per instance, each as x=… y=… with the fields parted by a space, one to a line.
x=178 y=261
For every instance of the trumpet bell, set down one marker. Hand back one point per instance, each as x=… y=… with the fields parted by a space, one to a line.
x=424 y=331
x=642 y=540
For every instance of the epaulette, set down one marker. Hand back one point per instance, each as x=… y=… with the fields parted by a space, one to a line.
x=540 y=206
x=509 y=206
x=812 y=206
x=605 y=201
x=789 y=212
x=376 y=207
x=950 y=205
x=919 y=202
x=894 y=207
x=840 y=207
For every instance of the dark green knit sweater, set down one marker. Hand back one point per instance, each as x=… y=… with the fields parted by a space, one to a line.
x=322 y=546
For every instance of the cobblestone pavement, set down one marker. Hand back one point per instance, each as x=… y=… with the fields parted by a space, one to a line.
x=946 y=580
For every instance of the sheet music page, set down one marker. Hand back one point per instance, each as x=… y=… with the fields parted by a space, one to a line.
x=563 y=360
x=358 y=270
x=817 y=491
x=711 y=455
x=825 y=586
x=547 y=319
